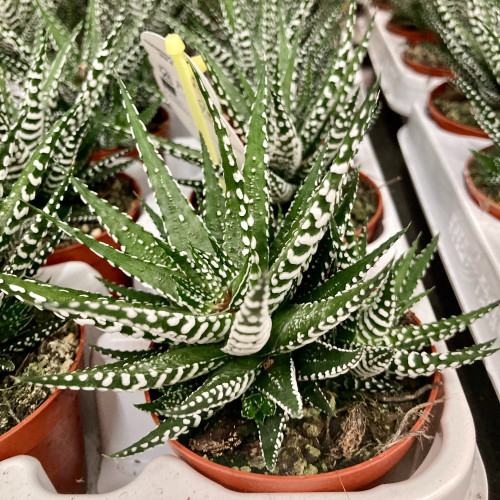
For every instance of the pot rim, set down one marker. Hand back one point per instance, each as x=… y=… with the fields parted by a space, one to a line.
x=52 y=397
x=482 y=201
x=347 y=471
x=446 y=123
x=376 y=218
x=59 y=253
x=413 y=36
x=426 y=70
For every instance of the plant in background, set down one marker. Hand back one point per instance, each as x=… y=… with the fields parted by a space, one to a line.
x=471 y=37
x=21 y=22
x=27 y=239
x=25 y=120
x=245 y=302
x=312 y=65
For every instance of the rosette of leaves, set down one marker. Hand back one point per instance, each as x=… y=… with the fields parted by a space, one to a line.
x=82 y=29
x=25 y=119
x=471 y=36
x=27 y=239
x=244 y=303
x=309 y=56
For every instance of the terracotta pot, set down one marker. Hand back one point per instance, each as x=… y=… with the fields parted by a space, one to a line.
x=80 y=252
x=375 y=221
x=352 y=478
x=160 y=132
x=427 y=70
x=447 y=124
x=413 y=35
x=53 y=434
x=485 y=203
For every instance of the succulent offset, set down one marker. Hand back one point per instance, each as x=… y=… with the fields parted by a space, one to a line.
x=244 y=302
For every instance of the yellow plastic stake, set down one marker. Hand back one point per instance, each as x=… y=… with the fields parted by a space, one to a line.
x=174 y=47
x=199 y=63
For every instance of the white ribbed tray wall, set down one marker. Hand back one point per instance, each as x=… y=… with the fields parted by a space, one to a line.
x=469 y=242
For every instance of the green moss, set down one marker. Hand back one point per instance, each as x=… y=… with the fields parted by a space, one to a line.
x=365 y=205
x=486 y=176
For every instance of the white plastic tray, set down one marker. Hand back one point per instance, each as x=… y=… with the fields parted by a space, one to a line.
x=469 y=241
x=401 y=85
x=452 y=470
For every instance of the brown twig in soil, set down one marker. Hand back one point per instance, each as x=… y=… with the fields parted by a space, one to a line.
x=408 y=397
x=385 y=184
x=401 y=435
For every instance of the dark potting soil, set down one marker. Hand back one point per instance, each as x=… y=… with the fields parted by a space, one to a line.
x=361 y=428
x=55 y=354
x=453 y=104
x=119 y=191
x=481 y=181
x=425 y=53
x=160 y=117
x=365 y=205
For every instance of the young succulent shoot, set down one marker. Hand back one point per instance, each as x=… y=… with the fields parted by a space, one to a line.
x=234 y=316
x=312 y=66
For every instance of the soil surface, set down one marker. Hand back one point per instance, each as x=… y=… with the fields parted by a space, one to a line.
x=482 y=182
x=55 y=354
x=359 y=430
x=365 y=205
x=425 y=53
x=118 y=191
x=453 y=104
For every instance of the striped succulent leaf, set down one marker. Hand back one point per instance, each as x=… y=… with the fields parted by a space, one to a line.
x=271 y=436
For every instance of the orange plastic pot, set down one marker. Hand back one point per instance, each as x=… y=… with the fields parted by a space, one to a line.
x=445 y=122
x=357 y=477
x=375 y=221
x=423 y=69
x=485 y=203
x=80 y=252
x=161 y=131
x=412 y=34
x=53 y=434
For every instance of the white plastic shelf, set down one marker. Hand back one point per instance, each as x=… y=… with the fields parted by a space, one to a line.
x=469 y=241
x=401 y=85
